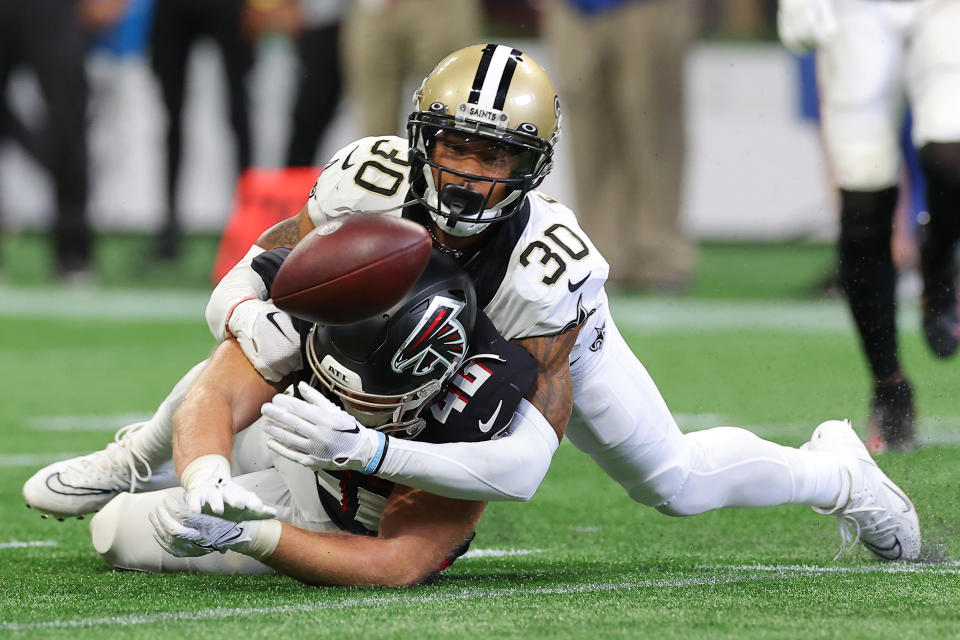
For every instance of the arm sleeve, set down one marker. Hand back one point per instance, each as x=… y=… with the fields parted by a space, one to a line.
x=241 y=283
x=507 y=468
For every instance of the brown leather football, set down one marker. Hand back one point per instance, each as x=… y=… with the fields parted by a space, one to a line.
x=351 y=268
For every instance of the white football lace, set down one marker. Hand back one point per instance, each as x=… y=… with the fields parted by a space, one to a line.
x=848 y=520
x=121 y=457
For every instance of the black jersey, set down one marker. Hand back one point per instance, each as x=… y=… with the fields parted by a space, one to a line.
x=477 y=403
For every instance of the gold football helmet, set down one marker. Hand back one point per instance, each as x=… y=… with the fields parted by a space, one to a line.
x=499 y=95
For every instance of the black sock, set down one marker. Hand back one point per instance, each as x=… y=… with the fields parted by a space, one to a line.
x=939 y=236
x=867 y=273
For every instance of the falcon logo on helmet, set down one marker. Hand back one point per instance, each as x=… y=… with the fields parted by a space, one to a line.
x=438 y=338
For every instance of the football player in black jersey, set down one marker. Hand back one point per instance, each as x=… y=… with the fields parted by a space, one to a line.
x=432 y=367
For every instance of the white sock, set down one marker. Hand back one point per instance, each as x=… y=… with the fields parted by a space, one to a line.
x=155 y=438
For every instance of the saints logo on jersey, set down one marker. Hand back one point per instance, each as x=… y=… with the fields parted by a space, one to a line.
x=438 y=338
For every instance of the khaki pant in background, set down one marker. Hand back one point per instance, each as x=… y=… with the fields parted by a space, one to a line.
x=388 y=42
x=620 y=76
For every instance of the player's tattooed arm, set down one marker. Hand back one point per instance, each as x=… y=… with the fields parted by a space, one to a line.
x=552 y=392
x=287 y=233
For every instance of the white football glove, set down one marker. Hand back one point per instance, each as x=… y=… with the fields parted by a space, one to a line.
x=185 y=534
x=318 y=434
x=267 y=338
x=210 y=490
x=804 y=25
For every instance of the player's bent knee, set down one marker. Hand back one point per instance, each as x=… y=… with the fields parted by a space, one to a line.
x=122 y=535
x=657 y=491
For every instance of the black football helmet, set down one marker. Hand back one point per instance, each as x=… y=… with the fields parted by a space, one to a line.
x=386 y=368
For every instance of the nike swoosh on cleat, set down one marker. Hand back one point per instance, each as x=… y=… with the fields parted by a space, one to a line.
x=55 y=484
x=883 y=552
x=356 y=429
x=273 y=321
x=573 y=287
x=485 y=426
x=346 y=161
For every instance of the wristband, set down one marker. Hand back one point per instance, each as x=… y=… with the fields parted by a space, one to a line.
x=374 y=465
x=226 y=322
x=266 y=537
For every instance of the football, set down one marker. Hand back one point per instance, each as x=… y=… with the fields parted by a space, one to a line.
x=351 y=268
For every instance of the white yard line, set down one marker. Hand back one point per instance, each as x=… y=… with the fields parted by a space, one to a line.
x=34 y=459
x=642 y=315
x=355 y=603
x=84 y=423
x=17 y=544
x=497 y=553
x=646 y=315
x=740 y=573
x=110 y=304
x=946 y=568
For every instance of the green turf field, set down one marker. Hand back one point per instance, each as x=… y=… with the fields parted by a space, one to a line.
x=579 y=560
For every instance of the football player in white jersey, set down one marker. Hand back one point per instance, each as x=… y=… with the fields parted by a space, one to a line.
x=869 y=54
x=481 y=140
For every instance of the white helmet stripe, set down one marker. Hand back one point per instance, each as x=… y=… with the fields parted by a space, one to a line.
x=491 y=82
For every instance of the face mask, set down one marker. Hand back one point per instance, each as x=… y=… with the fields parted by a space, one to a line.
x=462 y=228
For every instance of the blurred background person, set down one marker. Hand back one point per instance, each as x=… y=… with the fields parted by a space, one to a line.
x=313 y=26
x=622 y=87
x=50 y=38
x=388 y=43
x=318 y=78
x=869 y=55
x=177 y=26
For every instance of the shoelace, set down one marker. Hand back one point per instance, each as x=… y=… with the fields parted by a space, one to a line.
x=121 y=454
x=848 y=521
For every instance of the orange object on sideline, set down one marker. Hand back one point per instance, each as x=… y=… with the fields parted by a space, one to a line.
x=263 y=198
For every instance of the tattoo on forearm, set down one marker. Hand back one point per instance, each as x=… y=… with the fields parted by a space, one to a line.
x=282 y=234
x=552 y=392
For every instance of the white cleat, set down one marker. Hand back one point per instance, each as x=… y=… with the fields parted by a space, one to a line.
x=878 y=513
x=84 y=484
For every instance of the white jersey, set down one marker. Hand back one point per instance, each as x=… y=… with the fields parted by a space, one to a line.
x=537 y=275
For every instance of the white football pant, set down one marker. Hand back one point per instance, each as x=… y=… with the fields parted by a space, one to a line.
x=123 y=536
x=626 y=428
x=882 y=52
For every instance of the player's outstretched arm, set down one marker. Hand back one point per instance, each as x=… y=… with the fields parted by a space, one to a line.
x=316 y=433
x=552 y=392
x=418 y=532
x=224 y=399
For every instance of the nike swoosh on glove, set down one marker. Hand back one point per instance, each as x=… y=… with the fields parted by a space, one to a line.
x=183 y=533
x=318 y=434
x=210 y=489
x=267 y=337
